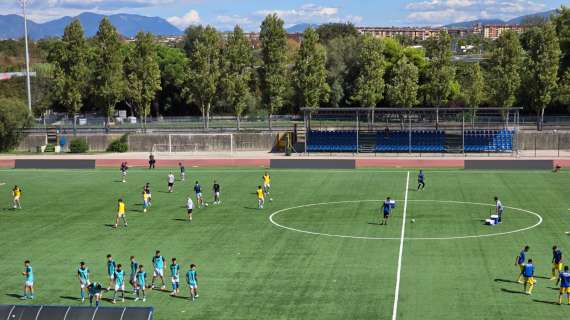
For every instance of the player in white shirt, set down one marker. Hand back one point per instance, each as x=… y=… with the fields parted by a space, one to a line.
x=189 y=208
x=170 y=181
x=499 y=208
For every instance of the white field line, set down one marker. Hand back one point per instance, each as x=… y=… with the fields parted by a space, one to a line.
x=397 y=292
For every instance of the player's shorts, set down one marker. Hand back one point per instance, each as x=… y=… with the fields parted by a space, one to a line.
x=170 y=184
x=521 y=267
x=386 y=214
x=564 y=290
x=120 y=287
x=149 y=195
x=158 y=272
x=16 y=198
x=199 y=195
x=529 y=280
x=175 y=279
x=260 y=199
x=111 y=277
x=217 y=194
x=557 y=266
x=193 y=285
x=267 y=185
x=84 y=283
x=120 y=214
x=124 y=173
x=29 y=283
x=140 y=284
x=96 y=295
x=189 y=211
x=133 y=278
x=145 y=204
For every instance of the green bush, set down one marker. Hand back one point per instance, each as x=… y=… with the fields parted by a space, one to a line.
x=78 y=145
x=121 y=145
x=14 y=117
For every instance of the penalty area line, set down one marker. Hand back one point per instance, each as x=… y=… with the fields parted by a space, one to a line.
x=399 y=271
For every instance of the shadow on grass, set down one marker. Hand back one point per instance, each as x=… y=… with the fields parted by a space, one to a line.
x=506 y=281
x=70 y=298
x=375 y=223
x=112 y=226
x=252 y=208
x=545 y=302
x=540 y=277
x=180 y=219
x=14 y=295
x=512 y=291
x=181 y=297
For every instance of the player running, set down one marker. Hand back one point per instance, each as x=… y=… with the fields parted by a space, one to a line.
x=16 y=195
x=29 y=281
x=83 y=277
x=564 y=280
x=159 y=264
x=170 y=182
x=189 y=208
x=556 y=262
x=182 y=171
x=216 y=190
x=119 y=283
x=199 y=197
x=145 y=200
x=175 y=277
x=141 y=283
x=94 y=292
x=149 y=194
x=421 y=180
x=124 y=169
x=499 y=208
x=121 y=209
x=133 y=275
x=519 y=261
x=111 y=266
x=387 y=210
x=260 y=197
x=266 y=183
x=528 y=274
x=192 y=280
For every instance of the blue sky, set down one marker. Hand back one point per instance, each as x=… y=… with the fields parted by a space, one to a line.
x=248 y=13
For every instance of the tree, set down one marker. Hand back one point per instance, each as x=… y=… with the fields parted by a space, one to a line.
x=310 y=74
x=342 y=56
x=472 y=83
x=172 y=63
x=274 y=69
x=562 y=23
x=237 y=72
x=330 y=31
x=563 y=94
x=14 y=117
x=540 y=74
x=142 y=74
x=107 y=80
x=369 y=84
x=440 y=73
x=504 y=73
x=402 y=89
x=71 y=72
x=204 y=72
x=191 y=35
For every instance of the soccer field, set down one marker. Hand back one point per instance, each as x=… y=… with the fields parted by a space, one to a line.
x=315 y=252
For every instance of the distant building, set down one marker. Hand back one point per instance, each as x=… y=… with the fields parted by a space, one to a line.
x=413 y=33
x=494 y=31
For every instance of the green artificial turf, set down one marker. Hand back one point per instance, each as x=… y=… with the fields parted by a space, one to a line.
x=252 y=269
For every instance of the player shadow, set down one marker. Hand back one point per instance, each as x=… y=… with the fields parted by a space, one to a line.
x=544 y=301
x=180 y=297
x=251 y=208
x=14 y=295
x=375 y=223
x=108 y=225
x=512 y=291
x=71 y=298
x=180 y=219
x=540 y=277
x=506 y=281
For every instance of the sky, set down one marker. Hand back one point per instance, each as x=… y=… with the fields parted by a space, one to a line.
x=224 y=14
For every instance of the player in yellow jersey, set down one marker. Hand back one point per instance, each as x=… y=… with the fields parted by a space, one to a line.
x=121 y=209
x=145 y=200
x=260 y=198
x=266 y=183
x=16 y=194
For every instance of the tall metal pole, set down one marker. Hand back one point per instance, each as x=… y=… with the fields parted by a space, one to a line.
x=29 y=89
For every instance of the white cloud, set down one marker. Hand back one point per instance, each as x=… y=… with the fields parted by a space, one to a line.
x=310 y=13
x=190 y=18
x=440 y=12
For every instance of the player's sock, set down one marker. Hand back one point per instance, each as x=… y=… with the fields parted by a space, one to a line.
x=90 y=301
x=97 y=303
x=82 y=295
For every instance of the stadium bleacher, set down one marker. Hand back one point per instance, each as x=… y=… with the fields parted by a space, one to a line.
x=332 y=141
x=489 y=140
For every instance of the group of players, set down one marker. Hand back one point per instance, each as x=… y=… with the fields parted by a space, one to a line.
x=560 y=273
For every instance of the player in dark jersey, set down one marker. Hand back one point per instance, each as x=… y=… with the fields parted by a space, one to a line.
x=386 y=209
x=216 y=189
x=564 y=280
x=556 y=262
x=421 y=180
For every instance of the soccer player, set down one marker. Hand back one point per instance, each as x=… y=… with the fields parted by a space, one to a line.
x=17 y=194
x=519 y=261
x=141 y=283
x=556 y=262
x=170 y=182
x=119 y=283
x=124 y=169
x=121 y=209
x=175 y=277
x=528 y=274
x=145 y=200
x=198 y=192
x=192 y=280
x=133 y=275
x=499 y=208
x=149 y=194
x=29 y=281
x=83 y=277
x=182 y=171
x=189 y=208
x=111 y=266
x=266 y=183
x=386 y=209
x=260 y=197
x=216 y=189
x=421 y=180
x=94 y=292
x=151 y=161
x=564 y=280
x=159 y=264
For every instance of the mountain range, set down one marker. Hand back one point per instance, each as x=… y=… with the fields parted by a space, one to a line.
x=12 y=26
x=517 y=20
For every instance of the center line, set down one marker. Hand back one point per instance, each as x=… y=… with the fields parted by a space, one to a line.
x=397 y=293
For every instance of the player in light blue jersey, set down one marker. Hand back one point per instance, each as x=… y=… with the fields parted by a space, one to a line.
x=119 y=283
x=528 y=274
x=159 y=264
x=175 y=277
x=133 y=274
x=94 y=292
x=192 y=281
x=564 y=280
x=29 y=280
x=111 y=266
x=141 y=283
x=83 y=277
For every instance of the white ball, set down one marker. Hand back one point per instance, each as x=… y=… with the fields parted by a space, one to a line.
x=270 y=199
x=413 y=220
x=206 y=204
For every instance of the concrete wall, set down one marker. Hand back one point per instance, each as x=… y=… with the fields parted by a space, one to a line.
x=97 y=142
x=30 y=142
x=203 y=142
x=546 y=140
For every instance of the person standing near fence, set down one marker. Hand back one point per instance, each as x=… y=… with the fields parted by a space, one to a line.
x=151 y=161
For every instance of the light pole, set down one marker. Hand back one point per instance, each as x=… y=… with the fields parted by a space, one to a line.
x=23 y=3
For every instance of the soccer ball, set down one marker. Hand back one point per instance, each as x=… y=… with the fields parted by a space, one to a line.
x=206 y=204
x=270 y=199
x=413 y=220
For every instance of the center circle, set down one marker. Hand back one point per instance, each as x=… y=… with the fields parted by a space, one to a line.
x=273 y=216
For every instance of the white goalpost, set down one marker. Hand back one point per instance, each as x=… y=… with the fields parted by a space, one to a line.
x=195 y=143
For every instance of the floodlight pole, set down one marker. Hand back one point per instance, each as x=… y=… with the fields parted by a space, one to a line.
x=23 y=3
